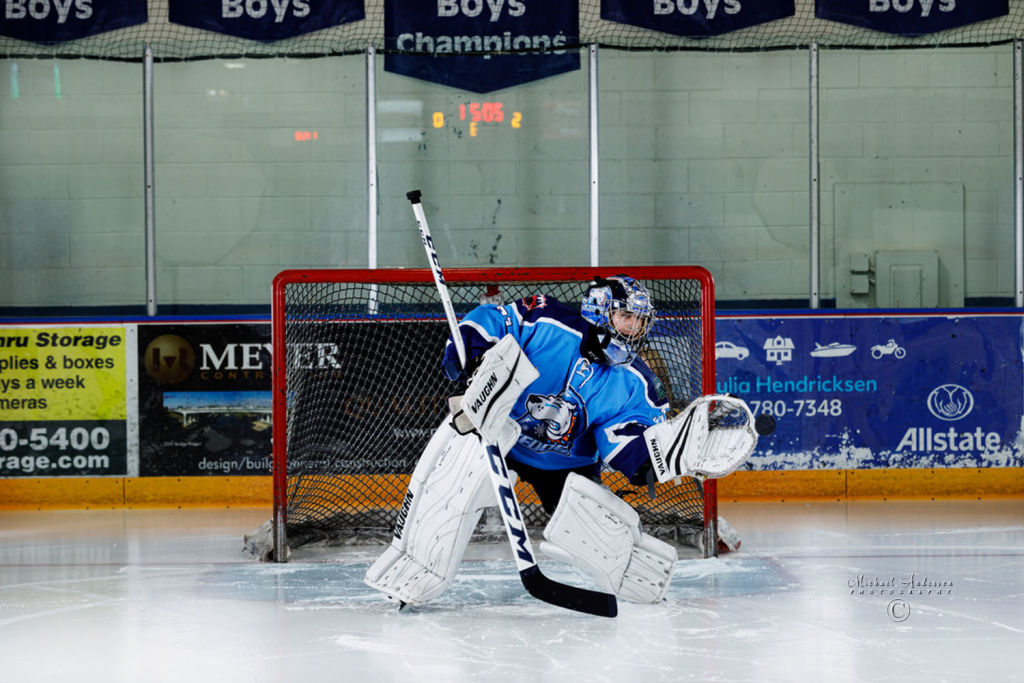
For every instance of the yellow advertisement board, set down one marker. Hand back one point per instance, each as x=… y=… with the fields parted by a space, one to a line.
x=63 y=401
x=63 y=373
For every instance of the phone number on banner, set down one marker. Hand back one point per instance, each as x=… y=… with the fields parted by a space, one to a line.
x=828 y=407
x=62 y=449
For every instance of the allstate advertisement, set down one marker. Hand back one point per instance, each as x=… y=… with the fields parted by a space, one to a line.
x=878 y=392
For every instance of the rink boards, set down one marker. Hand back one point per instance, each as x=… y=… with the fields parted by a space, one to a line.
x=176 y=412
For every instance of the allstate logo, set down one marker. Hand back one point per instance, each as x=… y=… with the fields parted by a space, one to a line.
x=950 y=402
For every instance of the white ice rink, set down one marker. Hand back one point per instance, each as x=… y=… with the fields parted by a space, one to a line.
x=861 y=591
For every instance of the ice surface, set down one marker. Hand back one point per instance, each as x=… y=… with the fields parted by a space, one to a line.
x=168 y=595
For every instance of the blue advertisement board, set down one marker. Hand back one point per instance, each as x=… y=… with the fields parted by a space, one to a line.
x=873 y=391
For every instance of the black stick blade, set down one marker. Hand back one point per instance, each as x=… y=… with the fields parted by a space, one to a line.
x=413 y=196
x=570 y=597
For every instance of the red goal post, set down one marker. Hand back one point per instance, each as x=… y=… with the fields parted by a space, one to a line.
x=358 y=390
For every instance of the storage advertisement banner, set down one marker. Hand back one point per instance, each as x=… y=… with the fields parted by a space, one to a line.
x=42 y=21
x=62 y=401
x=910 y=17
x=204 y=399
x=447 y=33
x=695 y=18
x=878 y=392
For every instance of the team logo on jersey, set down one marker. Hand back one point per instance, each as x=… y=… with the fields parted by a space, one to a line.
x=550 y=419
x=535 y=301
x=582 y=371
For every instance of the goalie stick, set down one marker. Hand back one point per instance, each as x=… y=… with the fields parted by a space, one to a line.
x=536 y=583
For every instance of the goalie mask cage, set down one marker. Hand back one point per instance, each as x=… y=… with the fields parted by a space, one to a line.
x=358 y=390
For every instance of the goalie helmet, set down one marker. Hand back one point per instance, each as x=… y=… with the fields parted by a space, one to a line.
x=621 y=309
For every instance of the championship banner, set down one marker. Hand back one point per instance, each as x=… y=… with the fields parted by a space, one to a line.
x=695 y=18
x=63 y=402
x=910 y=17
x=542 y=33
x=57 y=21
x=264 y=20
x=878 y=392
x=204 y=399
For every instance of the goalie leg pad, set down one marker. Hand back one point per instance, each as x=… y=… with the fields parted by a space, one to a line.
x=449 y=490
x=599 y=533
x=651 y=566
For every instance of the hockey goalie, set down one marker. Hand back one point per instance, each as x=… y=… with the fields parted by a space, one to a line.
x=559 y=390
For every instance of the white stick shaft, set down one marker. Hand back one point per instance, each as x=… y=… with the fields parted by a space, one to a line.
x=533 y=579
x=442 y=286
x=511 y=511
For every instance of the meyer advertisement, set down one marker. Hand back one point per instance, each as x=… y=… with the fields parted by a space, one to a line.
x=204 y=399
x=63 y=402
x=376 y=420
x=878 y=392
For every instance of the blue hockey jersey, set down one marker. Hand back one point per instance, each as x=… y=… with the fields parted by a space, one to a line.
x=577 y=411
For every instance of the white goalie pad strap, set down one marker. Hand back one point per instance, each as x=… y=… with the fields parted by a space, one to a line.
x=597 y=532
x=503 y=374
x=712 y=437
x=449 y=489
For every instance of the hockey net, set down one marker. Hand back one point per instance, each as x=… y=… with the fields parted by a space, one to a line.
x=358 y=391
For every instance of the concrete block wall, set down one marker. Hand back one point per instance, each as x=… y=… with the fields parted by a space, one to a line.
x=506 y=195
x=924 y=116
x=704 y=157
x=71 y=183
x=245 y=189
x=703 y=160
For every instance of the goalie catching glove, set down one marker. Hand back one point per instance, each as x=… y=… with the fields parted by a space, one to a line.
x=709 y=439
